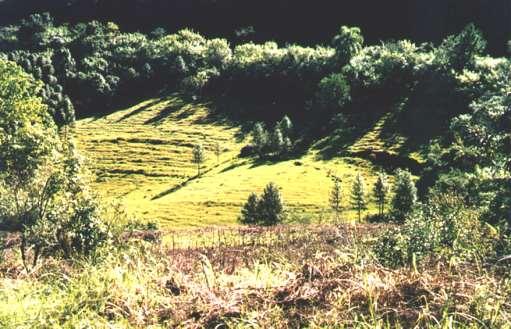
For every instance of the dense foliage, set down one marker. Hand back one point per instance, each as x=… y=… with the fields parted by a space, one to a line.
x=42 y=193
x=284 y=20
x=92 y=66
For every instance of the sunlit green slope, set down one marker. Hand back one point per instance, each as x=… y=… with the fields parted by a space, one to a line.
x=142 y=157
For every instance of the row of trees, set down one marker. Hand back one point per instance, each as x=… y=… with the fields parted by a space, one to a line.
x=268 y=209
x=274 y=143
x=97 y=65
x=404 y=195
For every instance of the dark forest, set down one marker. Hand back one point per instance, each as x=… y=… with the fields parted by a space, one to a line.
x=307 y=22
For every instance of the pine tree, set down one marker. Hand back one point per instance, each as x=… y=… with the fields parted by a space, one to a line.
x=381 y=190
x=286 y=127
x=336 y=197
x=249 y=213
x=358 y=196
x=198 y=157
x=259 y=138
x=218 y=151
x=405 y=195
x=270 y=206
x=288 y=145
x=277 y=141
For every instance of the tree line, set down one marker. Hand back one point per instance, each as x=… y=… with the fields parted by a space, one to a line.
x=268 y=208
x=283 y=20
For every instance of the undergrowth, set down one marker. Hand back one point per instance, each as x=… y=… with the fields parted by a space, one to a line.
x=317 y=276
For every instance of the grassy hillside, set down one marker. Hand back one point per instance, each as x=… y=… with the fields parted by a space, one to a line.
x=142 y=156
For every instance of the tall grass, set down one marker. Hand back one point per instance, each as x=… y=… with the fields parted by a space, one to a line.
x=304 y=276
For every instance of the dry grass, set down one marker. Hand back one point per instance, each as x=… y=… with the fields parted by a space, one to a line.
x=319 y=276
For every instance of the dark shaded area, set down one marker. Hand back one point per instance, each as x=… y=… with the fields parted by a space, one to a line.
x=390 y=162
x=286 y=20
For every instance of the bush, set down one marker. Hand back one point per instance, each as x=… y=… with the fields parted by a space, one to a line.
x=377 y=218
x=391 y=67
x=459 y=51
x=443 y=227
x=249 y=213
x=334 y=92
x=380 y=192
x=42 y=195
x=271 y=207
x=358 y=196
x=266 y=210
x=267 y=73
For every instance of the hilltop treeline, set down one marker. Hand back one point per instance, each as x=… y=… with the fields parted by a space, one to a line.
x=285 y=20
x=93 y=66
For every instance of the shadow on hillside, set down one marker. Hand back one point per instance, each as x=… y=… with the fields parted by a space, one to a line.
x=390 y=161
x=182 y=107
x=232 y=167
x=244 y=113
x=222 y=114
x=337 y=142
x=140 y=109
x=273 y=160
x=174 y=106
x=100 y=111
x=331 y=147
x=174 y=188
x=392 y=135
x=184 y=183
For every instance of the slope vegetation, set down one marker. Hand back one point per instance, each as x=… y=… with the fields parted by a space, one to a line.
x=142 y=155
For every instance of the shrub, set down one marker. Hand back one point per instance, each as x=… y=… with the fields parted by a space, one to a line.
x=336 y=196
x=42 y=195
x=334 y=92
x=286 y=127
x=267 y=74
x=275 y=143
x=377 y=218
x=266 y=210
x=391 y=65
x=443 y=227
x=459 y=51
x=271 y=206
x=260 y=138
x=55 y=214
x=499 y=211
x=198 y=157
